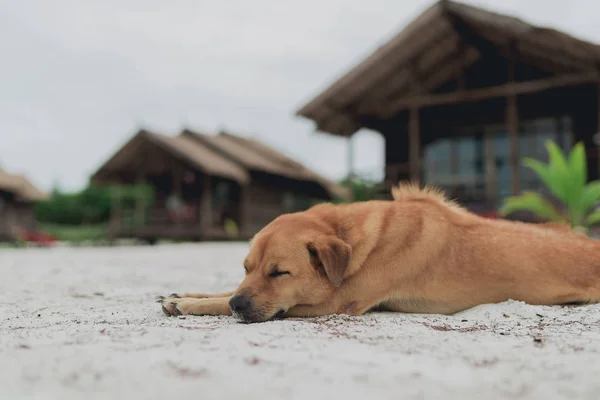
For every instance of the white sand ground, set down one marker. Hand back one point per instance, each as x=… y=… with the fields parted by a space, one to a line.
x=82 y=324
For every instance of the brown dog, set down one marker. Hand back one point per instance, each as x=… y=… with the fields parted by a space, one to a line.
x=419 y=253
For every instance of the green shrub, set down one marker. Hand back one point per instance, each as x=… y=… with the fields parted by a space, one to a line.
x=76 y=234
x=92 y=205
x=566 y=178
x=360 y=189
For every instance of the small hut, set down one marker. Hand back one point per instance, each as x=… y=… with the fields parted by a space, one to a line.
x=204 y=184
x=17 y=200
x=462 y=94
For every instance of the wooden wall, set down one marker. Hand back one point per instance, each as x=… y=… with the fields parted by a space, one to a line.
x=14 y=218
x=264 y=203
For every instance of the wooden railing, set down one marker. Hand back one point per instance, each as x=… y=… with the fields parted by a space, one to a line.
x=159 y=223
x=132 y=220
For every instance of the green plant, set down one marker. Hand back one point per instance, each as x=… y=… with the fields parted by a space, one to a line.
x=231 y=228
x=91 y=205
x=360 y=189
x=75 y=233
x=565 y=177
x=129 y=198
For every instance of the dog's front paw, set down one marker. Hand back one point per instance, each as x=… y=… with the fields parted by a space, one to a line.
x=168 y=304
x=170 y=307
x=160 y=299
x=174 y=307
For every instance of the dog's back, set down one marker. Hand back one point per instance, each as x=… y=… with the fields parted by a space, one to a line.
x=536 y=263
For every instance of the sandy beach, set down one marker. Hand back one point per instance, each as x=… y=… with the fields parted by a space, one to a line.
x=81 y=323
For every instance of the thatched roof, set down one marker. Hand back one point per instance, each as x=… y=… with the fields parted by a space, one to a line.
x=254 y=155
x=184 y=148
x=21 y=187
x=441 y=42
x=223 y=155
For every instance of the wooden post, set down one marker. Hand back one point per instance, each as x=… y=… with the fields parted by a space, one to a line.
x=350 y=155
x=512 y=125
x=199 y=179
x=597 y=136
x=174 y=221
x=206 y=207
x=243 y=230
x=414 y=141
x=115 y=215
x=139 y=205
x=490 y=167
x=351 y=164
x=414 y=129
x=177 y=177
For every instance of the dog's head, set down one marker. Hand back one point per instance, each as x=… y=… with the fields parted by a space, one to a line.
x=298 y=259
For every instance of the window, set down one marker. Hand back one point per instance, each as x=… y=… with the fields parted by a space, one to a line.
x=457 y=166
x=502 y=153
x=527 y=148
x=470 y=159
x=437 y=162
x=460 y=165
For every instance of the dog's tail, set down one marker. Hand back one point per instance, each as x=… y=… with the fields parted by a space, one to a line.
x=407 y=190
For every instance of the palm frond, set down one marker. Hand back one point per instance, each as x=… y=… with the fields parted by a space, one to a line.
x=532 y=202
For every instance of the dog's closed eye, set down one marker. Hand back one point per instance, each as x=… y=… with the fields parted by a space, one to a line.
x=277 y=273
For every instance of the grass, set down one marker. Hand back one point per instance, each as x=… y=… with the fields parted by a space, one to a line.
x=75 y=233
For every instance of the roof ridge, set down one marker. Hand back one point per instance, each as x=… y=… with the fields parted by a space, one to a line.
x=203 y=139
x=290 y=161
x=265 y=150
x=269 y=154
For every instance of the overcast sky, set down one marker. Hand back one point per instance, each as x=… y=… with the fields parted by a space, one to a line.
x=78 y=78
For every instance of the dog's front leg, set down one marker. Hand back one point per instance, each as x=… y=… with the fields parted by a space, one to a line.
x=196 y=295
x=334 y=306
x=191 y=306
x=309 y=311
x=343 y=301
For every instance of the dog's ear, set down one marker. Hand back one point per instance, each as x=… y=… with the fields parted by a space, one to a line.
x=333 y=255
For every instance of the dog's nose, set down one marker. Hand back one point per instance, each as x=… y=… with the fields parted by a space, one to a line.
x=239 y=303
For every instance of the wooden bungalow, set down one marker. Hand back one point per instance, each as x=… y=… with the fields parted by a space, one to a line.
x=17 y=200
x=462 y=94
x=204 y=183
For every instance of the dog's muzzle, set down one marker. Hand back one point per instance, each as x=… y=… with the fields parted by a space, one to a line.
x=242 y=308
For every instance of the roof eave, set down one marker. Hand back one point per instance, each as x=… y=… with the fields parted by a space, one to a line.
x=326 y=95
